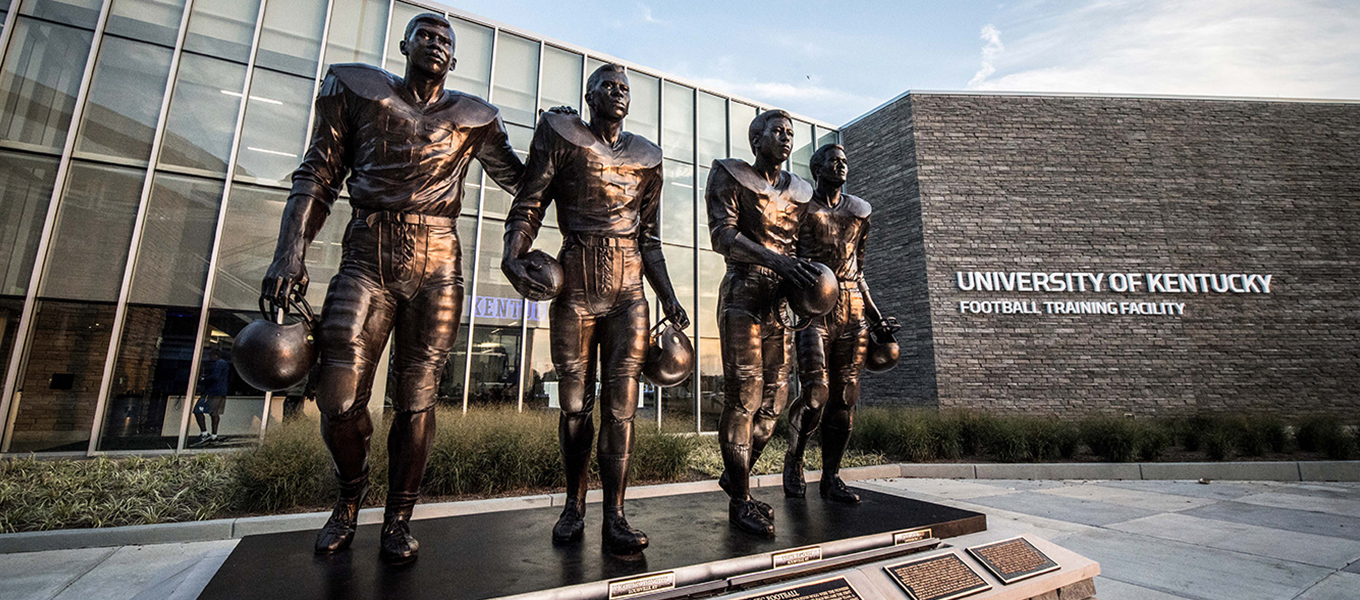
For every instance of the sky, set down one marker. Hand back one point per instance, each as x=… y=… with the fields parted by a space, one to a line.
x=836 y=60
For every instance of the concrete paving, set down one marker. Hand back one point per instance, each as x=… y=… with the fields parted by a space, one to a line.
x=1155 y=540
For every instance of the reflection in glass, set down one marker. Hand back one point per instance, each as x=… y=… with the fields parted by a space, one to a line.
x=803 y=145
x=540 y=378
x=11 y=308
x=41 y=76
x=250 y=231
x=93 y=229
x=495 y=365
x=710 y=383
x=222 y=29
x=472 y=186
x=59 y=385
x=497 y=202
x=712 y=129
x=450 y=391
x=243 y=406
x=150 y=378
x=705 y=241
x=677 y=141
x=678 y=401
x=472 y=48
x=644 y=117
x=81 y=13
x=124 y=100
x=357 y=31
x=677 y=204
x=25 y=190
x=274 y=134
x=290 y=40
x=176 y=244
x=202 y=116
x=739 y=124
x=825 y=136
x=154 y=21
x=492 y=286
x=402 y=13
x=561 y=78
x=711 y=271
x=516 y=79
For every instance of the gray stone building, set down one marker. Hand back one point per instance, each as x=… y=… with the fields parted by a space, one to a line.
x=1005 y=226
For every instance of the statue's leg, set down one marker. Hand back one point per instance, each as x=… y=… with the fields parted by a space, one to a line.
x=806 y=412
x=355 y=322
x=623 y=347
x=845 y=363
x=572 y=345
x=743 y=381
x=776 y=354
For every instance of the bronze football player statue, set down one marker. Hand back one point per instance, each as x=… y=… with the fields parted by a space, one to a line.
x=607 y=185
x=405 y=144
x=754 y=212
x=831 y=351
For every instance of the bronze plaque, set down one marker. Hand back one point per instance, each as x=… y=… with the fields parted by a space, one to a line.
x=796 y=556
x=642 y=584
x=827 y=589
x=1013 y=560
x=907 y=537
x=943 y=577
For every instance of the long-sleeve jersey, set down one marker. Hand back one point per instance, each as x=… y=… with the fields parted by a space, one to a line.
x=741 y=201
x=600 y=190
x=399 y=155
x=835 y=235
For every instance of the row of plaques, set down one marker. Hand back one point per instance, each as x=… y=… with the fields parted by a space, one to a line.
x=940 y=577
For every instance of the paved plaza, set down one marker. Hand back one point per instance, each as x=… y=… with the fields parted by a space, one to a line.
x=1154 y=540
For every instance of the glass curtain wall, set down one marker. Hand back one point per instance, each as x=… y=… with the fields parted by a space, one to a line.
x=146 y=150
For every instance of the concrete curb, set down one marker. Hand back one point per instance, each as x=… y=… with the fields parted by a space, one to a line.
x=224 y=529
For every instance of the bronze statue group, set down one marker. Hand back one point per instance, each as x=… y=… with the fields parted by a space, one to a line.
x=794 y=254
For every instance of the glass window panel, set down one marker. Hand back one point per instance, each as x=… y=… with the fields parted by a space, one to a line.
x=124 y=100
x=274 y=134
x=677 y=141
x=497 y=202
x=803 y=145
x=711 y=272
x=712 y=129
x=59 y=387
x=41 y=76
x=238 y=422
x=150 y=378
x=739 y=123
x=495 y=365
x=450 y=391
x=467 y=237
x=497 y=302
x=357 y=31
x=223 y=29
x=644 y=107
x=11 y=308
x=154 y=21
x=472 y=48
x=249 y=234
x=516 y=79
x=202 y=117
x=677 y=204
x=92 y=232
x=25 y=191
x=172 y=257
x=81 y=13
x=402 y=13
x=825 y=137
x=710 y=383
x=561 y=79
x=705 y=241
x=290 y=40
x=472 y=186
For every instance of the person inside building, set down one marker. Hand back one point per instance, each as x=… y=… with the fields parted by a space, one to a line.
x=405 y=144
x=754 y=212
x=831 y=350
x=607 y=184
x=212 y=399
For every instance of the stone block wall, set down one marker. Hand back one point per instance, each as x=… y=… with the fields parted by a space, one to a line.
x=1105 y=185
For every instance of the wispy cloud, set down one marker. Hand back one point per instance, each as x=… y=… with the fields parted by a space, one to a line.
x=1300 y=48
x=807 y=98
x=647 y=15
x=990 y=52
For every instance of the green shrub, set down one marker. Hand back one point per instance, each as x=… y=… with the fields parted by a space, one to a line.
x=290 y=469
x=1006 y=439
x=1153 y=438
x=659 y=456
x=1194 y=431
x=1113 y=439
x=1052 y=438
x=903 y=434
x=1218 y=442
x=1313 y=429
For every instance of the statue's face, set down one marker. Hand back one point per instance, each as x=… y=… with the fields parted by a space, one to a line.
x=610 y=97
x=775 y=143
x=834 y=168
x=430 y=48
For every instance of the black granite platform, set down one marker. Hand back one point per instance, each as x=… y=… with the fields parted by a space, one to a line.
x=492 y=555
